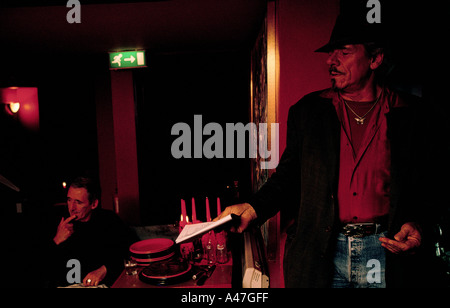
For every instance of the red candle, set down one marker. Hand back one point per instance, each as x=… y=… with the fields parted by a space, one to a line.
x=194 y=213
x=183 y=213
x=219 y=210
x=208 y=213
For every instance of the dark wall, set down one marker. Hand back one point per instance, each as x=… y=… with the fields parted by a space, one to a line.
x=173 y=89
x=66 y=142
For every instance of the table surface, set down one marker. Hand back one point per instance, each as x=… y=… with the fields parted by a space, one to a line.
x=221 y=278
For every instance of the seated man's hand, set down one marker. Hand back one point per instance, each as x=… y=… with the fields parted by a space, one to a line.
x=95 y=277
x=65 y=229
x=244 y=210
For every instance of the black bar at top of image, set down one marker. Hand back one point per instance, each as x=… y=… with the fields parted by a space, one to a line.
x=41 y=3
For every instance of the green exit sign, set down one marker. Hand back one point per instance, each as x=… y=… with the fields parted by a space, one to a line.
x=127 y=59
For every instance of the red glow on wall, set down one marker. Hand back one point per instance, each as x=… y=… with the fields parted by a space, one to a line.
x=303 y=26
x=28 y=103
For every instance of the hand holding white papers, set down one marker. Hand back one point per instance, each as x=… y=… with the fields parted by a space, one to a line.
x=193 y=230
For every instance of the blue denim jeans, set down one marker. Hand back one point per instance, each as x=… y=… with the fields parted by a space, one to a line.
x=359 y=262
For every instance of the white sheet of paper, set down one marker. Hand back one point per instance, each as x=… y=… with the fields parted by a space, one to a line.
x=193 y=230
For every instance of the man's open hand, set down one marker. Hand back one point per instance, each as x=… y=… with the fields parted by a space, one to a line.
x=406 y=241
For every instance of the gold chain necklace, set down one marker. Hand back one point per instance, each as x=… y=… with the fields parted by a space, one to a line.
x=360 y=119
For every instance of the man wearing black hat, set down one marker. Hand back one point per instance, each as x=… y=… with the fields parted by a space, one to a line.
x=357 y=166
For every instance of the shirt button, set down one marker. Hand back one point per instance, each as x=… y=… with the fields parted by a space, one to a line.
x=354 y=193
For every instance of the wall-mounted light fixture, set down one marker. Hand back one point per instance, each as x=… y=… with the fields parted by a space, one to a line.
x=14 y=107
x=9 y=99
x=23 y=104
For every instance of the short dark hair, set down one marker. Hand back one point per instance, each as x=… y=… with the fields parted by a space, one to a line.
x=90 y=184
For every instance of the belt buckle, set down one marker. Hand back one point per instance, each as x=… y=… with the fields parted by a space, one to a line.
x=357 y=229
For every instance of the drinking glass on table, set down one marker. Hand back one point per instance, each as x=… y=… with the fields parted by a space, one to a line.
x=130 y=266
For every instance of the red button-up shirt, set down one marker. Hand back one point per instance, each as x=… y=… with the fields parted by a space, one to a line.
x=364 y=173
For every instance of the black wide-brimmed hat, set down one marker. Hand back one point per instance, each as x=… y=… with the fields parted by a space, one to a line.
x=353 y=28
